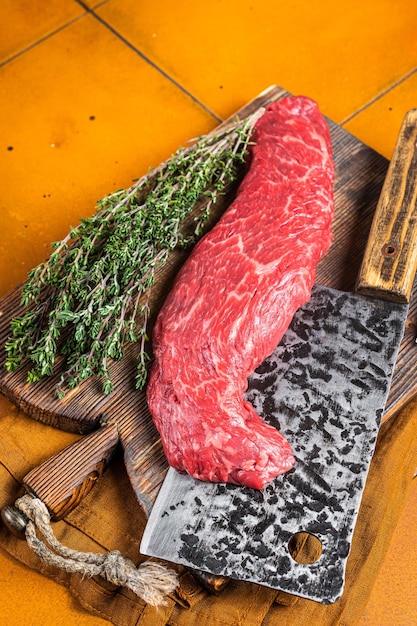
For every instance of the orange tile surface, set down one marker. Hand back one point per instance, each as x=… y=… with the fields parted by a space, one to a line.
x=24 y=24
x=341 y=54
x=379 y=123
x=94 y=93
x=77 y=124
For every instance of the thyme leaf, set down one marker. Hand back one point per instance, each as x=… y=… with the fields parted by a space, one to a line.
x=91 y=296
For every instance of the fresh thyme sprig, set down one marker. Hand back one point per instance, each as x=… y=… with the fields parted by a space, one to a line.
x=91 y=296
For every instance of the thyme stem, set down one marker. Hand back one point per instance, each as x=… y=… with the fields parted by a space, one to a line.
x=91 y=296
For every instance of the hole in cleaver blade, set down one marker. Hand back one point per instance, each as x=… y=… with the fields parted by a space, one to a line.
x=325 y=387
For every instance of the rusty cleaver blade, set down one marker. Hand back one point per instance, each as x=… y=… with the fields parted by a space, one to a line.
x=325 y=387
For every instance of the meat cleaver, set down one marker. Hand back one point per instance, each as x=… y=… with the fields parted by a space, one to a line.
x=325 y=387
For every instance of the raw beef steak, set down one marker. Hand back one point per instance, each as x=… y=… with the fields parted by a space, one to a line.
x=234 y=298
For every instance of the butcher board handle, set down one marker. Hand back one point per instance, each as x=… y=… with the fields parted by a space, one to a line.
x=390 y=261
x=62 y=481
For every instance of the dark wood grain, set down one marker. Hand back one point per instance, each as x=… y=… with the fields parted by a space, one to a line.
x=390 y=260
x=360 y=173
x=65 y=479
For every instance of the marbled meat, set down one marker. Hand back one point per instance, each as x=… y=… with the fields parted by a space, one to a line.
x=234 y=298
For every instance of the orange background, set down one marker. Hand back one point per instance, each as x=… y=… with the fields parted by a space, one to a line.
x=95 y=93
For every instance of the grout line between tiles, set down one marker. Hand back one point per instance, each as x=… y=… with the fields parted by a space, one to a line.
x=41 y=40
x=379 y=96
x=147 y=59
x=51 y=34
x=97 y=5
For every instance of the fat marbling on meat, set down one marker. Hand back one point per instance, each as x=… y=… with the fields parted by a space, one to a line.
x=234 y=298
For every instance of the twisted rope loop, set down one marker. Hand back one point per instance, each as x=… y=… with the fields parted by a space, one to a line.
x=150 y=581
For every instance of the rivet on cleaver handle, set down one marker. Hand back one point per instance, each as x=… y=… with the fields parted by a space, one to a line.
x=390 y=261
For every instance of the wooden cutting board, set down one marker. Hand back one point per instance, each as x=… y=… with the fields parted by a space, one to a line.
x=360 y=172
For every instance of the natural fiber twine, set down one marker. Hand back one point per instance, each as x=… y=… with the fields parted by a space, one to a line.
x=150 y=581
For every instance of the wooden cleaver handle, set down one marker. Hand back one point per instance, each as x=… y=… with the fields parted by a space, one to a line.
x=390 y=261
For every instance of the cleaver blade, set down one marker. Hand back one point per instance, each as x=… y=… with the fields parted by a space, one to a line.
x=325 y=387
